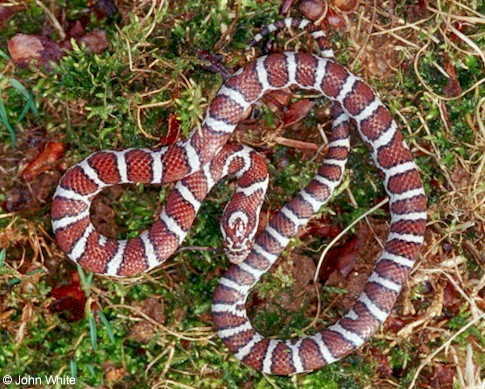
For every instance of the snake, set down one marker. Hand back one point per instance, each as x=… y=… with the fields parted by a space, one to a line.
x=205 y=157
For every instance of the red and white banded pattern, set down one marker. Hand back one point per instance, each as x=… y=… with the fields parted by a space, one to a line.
x=197 y=162
x=95 y=252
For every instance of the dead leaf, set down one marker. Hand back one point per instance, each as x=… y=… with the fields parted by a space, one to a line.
x=144 y=330
x=394 y=324
x=335 y=21
x=44 y=161
x=276 y=100
x=103 y=8
x=312 y=9
x=19 y=198
x=345 y=6
x=172 y=132
x=96 y=41
x=70 y=300
x=27 y=48
x=297 y=111
x=113 y=374
x=442 y=376
x=5 y=15
x=384 y=369
x=321 y=226
x=453 y=88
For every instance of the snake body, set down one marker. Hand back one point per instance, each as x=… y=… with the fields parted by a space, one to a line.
x=204 y=158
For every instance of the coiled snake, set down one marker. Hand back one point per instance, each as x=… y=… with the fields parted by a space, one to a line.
x=204 y=158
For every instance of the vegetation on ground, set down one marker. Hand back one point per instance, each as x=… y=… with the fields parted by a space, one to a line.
x=426 y=60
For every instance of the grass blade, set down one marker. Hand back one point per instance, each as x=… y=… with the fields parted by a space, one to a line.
x=107 y=326
x=5 y=122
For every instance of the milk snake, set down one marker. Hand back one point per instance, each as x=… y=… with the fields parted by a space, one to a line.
x=204 y=158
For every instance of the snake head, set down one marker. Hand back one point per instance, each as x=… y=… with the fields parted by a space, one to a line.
x=238 y=235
